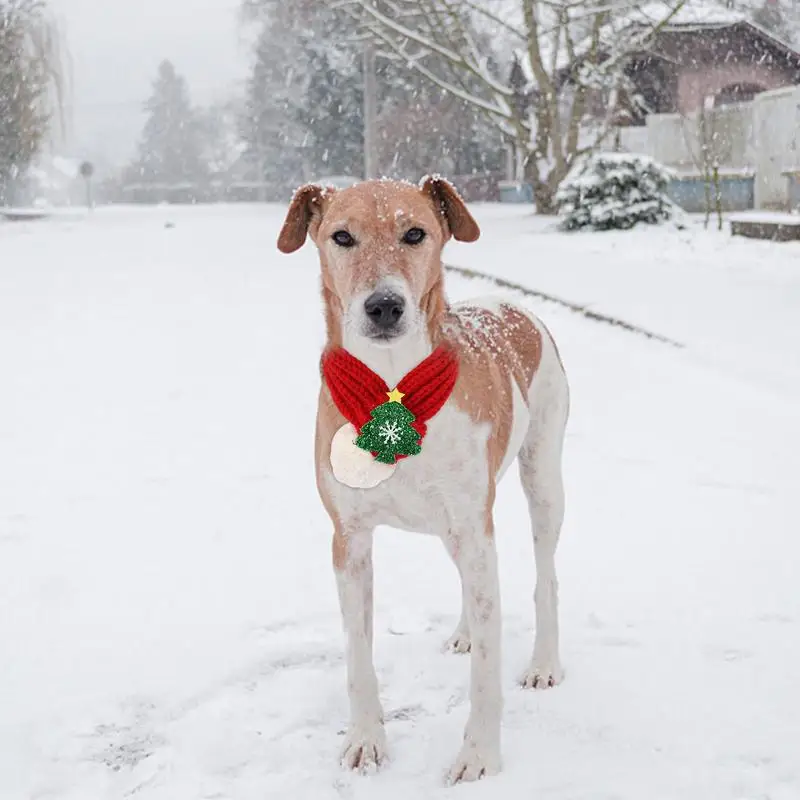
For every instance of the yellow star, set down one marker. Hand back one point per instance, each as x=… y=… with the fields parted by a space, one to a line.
x=395 y=396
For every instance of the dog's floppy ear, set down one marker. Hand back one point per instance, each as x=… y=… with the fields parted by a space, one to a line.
x=304 y=211
x=451 y=207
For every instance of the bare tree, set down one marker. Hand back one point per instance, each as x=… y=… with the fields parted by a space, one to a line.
x=704 y=141
x=548 y=73
x=25 y=72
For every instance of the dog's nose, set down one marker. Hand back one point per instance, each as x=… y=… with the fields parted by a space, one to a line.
x=384 y=308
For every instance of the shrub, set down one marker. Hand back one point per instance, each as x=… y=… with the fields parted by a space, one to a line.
x=615 y=191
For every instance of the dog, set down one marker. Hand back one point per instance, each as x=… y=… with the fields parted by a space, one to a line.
x=380 y=248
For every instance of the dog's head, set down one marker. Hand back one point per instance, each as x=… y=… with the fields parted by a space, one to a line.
x=380 y=245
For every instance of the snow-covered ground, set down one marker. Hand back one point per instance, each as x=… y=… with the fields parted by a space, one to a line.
x=168 y=620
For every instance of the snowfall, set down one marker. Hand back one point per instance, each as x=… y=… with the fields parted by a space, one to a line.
x=169 y=627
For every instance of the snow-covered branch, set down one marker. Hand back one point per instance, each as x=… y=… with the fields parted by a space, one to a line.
x=570 y=56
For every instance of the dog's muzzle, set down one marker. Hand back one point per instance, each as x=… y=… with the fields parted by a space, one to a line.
x=384 y=310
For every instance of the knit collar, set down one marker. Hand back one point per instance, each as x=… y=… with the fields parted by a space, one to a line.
x=357 y=390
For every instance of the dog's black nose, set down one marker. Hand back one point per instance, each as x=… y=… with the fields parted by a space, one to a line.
x=384 y=308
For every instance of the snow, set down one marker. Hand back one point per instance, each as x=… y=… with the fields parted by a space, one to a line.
x=167 y=609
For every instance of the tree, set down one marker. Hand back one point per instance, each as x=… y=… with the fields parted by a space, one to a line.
x=218 y=138
x=332 y=110
x=535 y=68
x=389 y=433
x=305 y=104
x=428 y=131
x=171 y=147
x=268 y=134
x=23 y=84
x=706 y=147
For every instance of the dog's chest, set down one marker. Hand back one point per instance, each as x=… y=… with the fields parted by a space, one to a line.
x=429 y=492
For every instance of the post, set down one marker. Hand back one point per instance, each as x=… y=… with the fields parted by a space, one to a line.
x=370 y=113
x=87 y=171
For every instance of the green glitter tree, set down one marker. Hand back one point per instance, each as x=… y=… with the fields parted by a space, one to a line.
x=389 y=433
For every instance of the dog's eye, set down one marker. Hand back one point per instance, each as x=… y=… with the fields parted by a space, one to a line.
x=343 y=239
x=414 y=236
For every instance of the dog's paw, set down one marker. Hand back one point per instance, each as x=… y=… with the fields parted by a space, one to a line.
x=542 y=674
x=475 y=761
x=459 y=642
x=365 y=748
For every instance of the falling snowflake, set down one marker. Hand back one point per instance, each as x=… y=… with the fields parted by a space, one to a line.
x=390 y=432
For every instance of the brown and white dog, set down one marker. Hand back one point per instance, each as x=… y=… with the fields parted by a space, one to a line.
x=380 y=245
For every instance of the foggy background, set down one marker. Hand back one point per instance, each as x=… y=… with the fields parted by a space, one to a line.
x=244 y=100
x=115 y=47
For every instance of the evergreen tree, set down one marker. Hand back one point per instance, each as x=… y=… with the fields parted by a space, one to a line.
x=304 y=102
x=171 y=147
x=331 y=109
x=304 y=115
x=272 y=136
x=23 y=81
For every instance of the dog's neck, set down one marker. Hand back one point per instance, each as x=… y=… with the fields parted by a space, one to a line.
x=395 y=361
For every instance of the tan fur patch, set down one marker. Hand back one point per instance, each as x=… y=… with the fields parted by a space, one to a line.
x=495 y=347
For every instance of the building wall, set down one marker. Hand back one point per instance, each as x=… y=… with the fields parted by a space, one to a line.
x=776 y=116
x=686 y=141
x=696 y=84
x=760 y=137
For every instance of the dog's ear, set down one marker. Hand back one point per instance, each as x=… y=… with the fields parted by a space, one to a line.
x=449 y=205
x=305 y=211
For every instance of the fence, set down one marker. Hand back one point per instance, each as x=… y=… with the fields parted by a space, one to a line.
x=760 y=139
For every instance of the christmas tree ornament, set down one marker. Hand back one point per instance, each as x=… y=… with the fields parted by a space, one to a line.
x=384 y=431
x=389 y=433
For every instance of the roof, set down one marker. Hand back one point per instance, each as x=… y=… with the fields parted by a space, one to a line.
x=702 y=16
x=697 y=14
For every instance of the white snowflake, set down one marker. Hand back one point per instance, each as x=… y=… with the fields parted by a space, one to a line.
x=389 y=432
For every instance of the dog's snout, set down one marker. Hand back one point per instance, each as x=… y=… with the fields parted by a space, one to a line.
x=384 y=308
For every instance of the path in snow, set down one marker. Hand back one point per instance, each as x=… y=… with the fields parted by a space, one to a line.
x=168 y=616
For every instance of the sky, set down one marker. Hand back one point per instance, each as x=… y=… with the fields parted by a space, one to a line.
x=115 y=47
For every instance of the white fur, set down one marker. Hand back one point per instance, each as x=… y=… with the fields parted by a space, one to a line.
x=443 y=492
x=398 y=357
x=542 y=482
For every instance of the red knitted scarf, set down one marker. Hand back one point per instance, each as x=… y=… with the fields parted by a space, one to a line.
x=357 y=390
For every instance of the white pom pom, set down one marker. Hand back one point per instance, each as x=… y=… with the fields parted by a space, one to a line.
x=353 y=466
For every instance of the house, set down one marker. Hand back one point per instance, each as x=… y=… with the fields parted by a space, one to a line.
x=707 y=88
x=707 y=52
x=717 y=90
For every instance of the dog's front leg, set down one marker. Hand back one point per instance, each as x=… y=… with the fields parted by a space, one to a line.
x=476 y=558
x=365 y=745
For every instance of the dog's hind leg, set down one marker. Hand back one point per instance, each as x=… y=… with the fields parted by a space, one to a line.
x=540 y=471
